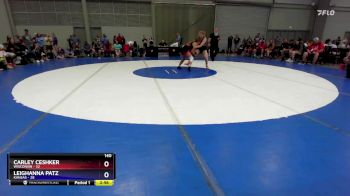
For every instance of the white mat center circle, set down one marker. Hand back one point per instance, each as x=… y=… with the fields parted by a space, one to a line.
x=239 y=92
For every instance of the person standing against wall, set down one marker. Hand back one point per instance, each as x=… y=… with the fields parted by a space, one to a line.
x=27 y=38
x=54 y=40
x=229 y=44
x=236 y=42
x=178 y=41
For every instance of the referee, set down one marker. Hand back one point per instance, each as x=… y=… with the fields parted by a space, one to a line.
x=214 y=43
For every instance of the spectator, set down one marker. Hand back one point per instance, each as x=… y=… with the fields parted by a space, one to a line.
x=162 y=43
x=95 y=49
x=236 y=42
x=338 y=41
x=38 y=53
x=260 y=49
x=98 y=40
x=285 y=46
x=135 y=49
x=347 y=59
x=40 y=40
x=114 y=39
x=87 y=49
x=54 y=40
x=98 y=47
x=249 y=40
x=75 y=40
x=70 y=42
x=11 y=45
x=278 y=41
x=151 y=42
x=142 y=50
x=107 y=49
x=104 y=40
x=331 y=44
x=48 y=42
x=3 y=55
x=117 y=49
x=21 y=53
x=144 y=41
x=126 y=49
x=121 y=39
x=248 y=47
x=35 y=39
x=76 y=50
x=178 y=39
x=11 y=48
x=229 y=44
x=296 y=48
x=49 y=54
x=17 y=36
x=314 y=49
x=257 y=38
x=27 y=38
x=69 y=53
x=270 y=48
x=60 y=53
x=343 y=44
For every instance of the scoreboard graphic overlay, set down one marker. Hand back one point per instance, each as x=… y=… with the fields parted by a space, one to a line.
x=87 y=169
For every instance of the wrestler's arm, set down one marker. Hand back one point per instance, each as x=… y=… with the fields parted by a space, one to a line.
x=204 y=41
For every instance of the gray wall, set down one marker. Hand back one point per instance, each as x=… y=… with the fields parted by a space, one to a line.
x=4 y=21
x=340 y=3
x=300 y=2
x=133 y=18
x=337 y=25
x=242 y=20
x=119 y=13
x=47 y=12
x=186 y=19
x=290 y=19
x=247 y=1
x=198 y=2
x=138 y=17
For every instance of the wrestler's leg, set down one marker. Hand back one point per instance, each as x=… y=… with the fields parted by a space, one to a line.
x=206 y=58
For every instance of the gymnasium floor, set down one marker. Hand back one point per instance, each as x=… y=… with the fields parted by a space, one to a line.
x=246 y=127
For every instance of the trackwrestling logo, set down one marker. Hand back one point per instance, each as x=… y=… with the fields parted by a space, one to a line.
x=325 y=12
